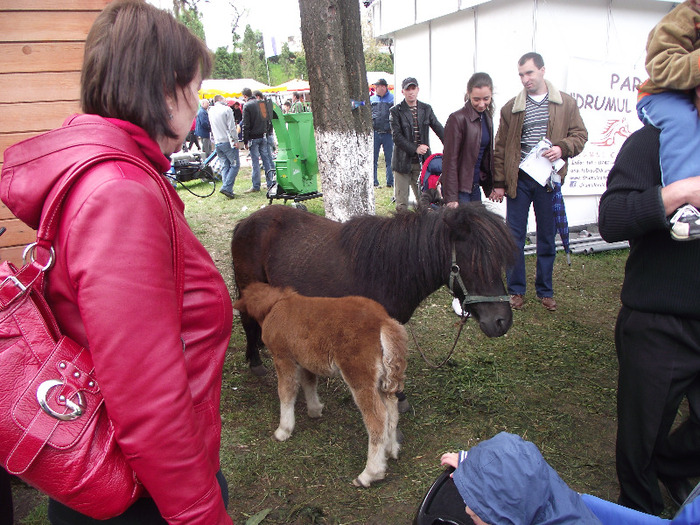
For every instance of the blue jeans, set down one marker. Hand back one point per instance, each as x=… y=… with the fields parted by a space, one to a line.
x=383 y=140
x=474 y=196
x=517 y=210
x=258 y=149
x=229 y=157
x=674 y=113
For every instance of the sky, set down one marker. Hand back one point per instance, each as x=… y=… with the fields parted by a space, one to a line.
x=279 y=18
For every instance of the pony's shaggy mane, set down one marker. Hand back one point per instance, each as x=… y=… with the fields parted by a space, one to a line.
x=379 y=247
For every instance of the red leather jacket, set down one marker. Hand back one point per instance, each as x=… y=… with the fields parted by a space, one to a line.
x=112 y=289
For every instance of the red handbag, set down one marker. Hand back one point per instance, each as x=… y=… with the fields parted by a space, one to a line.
x=55 y=432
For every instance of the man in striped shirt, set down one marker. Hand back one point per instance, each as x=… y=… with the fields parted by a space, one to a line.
x=539 y=111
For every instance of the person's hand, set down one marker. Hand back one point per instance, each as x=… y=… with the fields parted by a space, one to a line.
x=684 y=191
x=552 y=154
x=450 y=459
x=453 y=204
x=422 y=149
x=497 y=194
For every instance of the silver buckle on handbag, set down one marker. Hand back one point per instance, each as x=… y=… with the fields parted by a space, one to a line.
x=76 y=408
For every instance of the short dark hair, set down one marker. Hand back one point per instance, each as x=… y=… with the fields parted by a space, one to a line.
x=246 y=92
x=257 y=93
x=535 y=57
x=135 y=56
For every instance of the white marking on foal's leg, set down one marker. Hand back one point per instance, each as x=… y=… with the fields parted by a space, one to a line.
x=309 y=382
x=392 y=408
x=287 y=387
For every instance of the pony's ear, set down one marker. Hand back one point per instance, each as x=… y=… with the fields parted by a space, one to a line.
x=457 y=220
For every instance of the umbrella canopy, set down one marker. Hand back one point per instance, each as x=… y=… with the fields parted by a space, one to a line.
x=230 y=88
x=559 y=211
x=293 y=85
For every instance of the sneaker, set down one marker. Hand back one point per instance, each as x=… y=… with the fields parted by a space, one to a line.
x=227 y=193
x=685 y=223
x=457 y=307
x=549 y=303
x=517 y=301
x=252 y=190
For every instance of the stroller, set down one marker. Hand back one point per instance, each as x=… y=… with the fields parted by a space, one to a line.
x=429 y=183
x=188 y=166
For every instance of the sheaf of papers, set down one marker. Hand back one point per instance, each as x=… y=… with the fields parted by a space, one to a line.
x=539 y=167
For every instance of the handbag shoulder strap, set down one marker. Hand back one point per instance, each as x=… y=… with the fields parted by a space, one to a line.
x=52 y=209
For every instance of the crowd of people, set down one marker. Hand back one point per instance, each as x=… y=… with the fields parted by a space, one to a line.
x=150 y=339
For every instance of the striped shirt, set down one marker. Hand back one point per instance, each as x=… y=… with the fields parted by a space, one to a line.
x=535 y=124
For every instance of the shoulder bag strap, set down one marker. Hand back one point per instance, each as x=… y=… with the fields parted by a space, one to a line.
x=52 y=208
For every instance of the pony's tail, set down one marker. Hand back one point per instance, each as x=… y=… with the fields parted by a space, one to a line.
x=394 y=341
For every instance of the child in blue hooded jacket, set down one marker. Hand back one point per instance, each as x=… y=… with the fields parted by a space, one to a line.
x=506 y=481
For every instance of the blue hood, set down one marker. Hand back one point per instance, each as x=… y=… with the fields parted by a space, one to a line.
x=506 y=481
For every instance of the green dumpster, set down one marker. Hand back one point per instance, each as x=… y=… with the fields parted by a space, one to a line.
x=296 y=163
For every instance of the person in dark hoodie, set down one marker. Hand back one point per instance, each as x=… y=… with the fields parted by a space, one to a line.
x=506 y=481
x=112 y=287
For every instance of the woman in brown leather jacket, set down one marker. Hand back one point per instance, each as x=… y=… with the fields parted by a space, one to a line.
x=467 y=162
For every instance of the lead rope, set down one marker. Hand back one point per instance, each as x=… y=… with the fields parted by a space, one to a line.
x=468 y=299
x=454 y=274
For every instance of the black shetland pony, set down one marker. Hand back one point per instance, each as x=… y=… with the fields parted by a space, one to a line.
x=398 y=261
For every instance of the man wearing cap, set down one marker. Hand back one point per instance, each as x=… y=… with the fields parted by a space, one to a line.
x=411 y=121
x=381 y=103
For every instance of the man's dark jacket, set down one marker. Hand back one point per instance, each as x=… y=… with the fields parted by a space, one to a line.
x=254 y=124
x=401 y=120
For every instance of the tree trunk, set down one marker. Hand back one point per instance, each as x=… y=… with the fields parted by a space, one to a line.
x=332 y=37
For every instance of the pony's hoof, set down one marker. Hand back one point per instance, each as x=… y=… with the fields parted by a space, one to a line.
x=404 y=406
x=359 y=484
x=315 y=413
x=259 y=370
x=281 y=435
x=399 y=437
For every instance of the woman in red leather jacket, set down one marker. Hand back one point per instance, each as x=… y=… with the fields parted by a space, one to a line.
x=467 y=162
x=113 y=288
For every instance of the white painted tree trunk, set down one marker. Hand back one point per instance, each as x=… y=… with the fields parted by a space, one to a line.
x=332 y=37
x=345 y=162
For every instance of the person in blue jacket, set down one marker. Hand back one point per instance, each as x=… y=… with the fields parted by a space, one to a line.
x=381 y=102
x=506 y=481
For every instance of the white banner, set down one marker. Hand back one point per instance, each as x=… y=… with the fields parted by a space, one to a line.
x=606 y=95
x=272 y=49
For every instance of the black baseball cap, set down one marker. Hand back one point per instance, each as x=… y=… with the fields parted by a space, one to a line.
x=381 y=82
x=410 y=81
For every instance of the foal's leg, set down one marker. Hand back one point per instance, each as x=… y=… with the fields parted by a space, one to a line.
x=287 y=387
x=392 y=407
x=374 y=414
x=309 y=382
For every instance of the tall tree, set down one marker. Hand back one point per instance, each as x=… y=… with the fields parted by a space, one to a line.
x=253 y=55
x=192 y=19
x=332 y=37
x=226 y=65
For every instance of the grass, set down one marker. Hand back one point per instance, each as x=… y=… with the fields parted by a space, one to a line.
x=551 y=379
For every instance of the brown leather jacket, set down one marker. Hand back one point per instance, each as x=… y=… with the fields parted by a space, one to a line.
x=462 y=140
